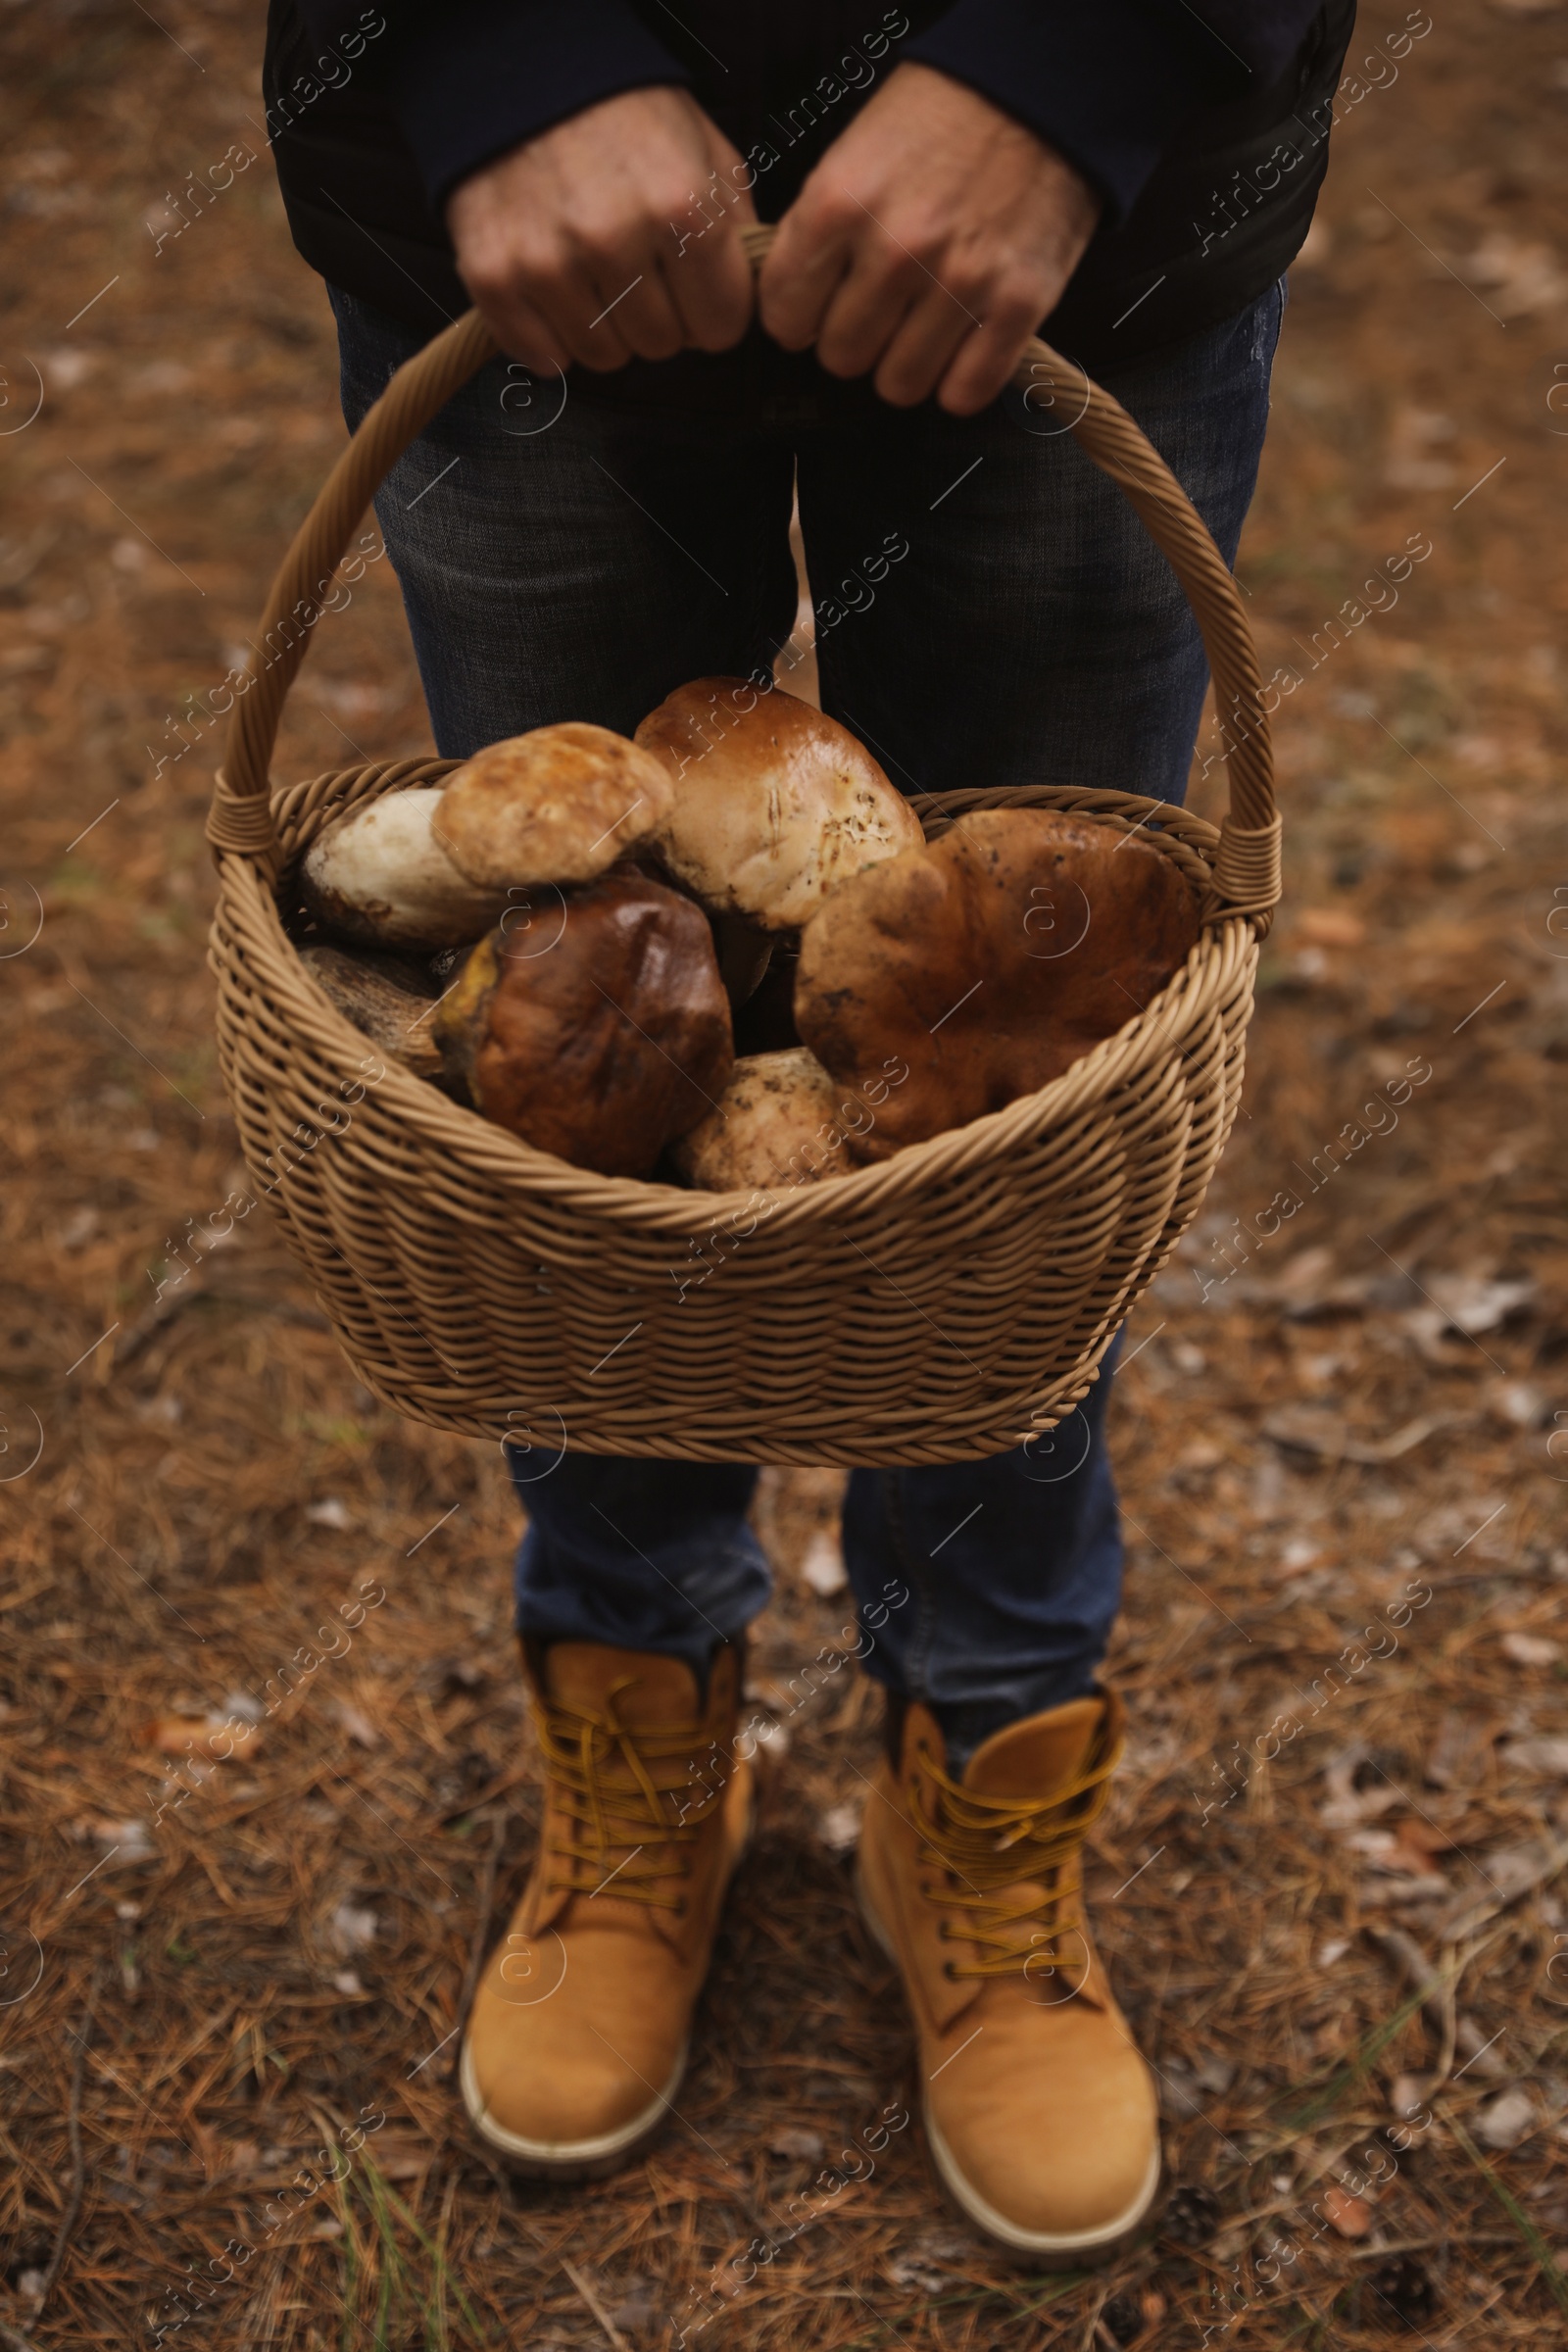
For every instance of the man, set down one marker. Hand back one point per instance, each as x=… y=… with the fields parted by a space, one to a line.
x=604 y=515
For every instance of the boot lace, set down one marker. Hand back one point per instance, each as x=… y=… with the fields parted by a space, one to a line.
x=631 y=1802
x=987 y=1847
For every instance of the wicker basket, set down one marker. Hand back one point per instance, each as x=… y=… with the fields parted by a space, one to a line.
x=937 y=1307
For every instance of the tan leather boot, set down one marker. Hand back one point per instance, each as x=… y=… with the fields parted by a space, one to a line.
x=578 y=2038
x=1040 y=2113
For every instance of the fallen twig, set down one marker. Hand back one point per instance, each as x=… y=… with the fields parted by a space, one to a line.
x=591 y=2298
x=78 y=2169
x=1457 y=1928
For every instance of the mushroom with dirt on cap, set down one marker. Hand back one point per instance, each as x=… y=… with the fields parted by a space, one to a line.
x=774 y=1125
x=432 y=866
x=561 y=804
x=774 y=804
x=990 y=960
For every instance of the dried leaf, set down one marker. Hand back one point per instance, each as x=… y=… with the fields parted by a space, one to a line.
x=1313 y=1429
x=1329 y=927
x=1351 y=2216
x=211 y=1739
x=1510 y=2117
x=823 y=1568
x=351 y=1928
x=840 y=1827
x=1530 y=1650
x=329 y=1512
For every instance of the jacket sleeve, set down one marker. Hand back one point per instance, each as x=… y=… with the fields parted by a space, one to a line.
x=1109 y=83
x=475 y=77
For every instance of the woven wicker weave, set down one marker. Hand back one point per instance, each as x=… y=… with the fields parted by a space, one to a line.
x=936 y=1307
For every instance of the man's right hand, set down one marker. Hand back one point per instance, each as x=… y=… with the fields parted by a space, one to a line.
x=584 y=243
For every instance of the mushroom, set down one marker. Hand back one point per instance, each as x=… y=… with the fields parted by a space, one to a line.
x=600 y=1037
x=775 y=804
x=557 y=804
x=379 y=876
x=776 y=1124
x=382 y=996
x=989 y=960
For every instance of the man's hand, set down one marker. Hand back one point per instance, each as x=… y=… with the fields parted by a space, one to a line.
x=929 y=243
x=585 y=244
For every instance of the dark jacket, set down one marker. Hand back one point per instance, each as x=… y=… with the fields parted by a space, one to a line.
x=1204 y=132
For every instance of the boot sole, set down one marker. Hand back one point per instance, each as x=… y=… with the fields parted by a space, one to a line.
x=587 y=2159
x=570 y=2159
x=1046 y=2250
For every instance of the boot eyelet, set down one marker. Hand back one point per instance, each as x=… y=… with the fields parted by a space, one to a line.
x=949 y=1970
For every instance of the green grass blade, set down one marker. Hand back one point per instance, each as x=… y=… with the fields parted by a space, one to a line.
x=1516 y=2214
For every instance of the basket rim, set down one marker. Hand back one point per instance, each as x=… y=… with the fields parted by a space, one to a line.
x=639 y=1202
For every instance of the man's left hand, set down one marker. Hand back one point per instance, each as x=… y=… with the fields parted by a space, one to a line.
x=928 y=244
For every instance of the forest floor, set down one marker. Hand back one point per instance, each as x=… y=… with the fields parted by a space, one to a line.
x=1332 y=1871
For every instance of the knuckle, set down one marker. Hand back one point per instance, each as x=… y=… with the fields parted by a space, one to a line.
x=921 y=241
x=672 y=199
x=603 y=234
x=825 y=204
x=966 y=276
x=529 y=263
x=490 y=285
x=1021 y=293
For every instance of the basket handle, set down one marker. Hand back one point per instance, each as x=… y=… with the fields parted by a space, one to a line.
x=1246 y=873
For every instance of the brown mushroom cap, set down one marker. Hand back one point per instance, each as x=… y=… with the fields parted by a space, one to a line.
x=775 y=1126
x=989 y=960
x=600 y=1036
x=775 y=804
x=557 y=804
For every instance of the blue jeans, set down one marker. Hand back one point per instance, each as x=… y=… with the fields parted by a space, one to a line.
x=988 y=608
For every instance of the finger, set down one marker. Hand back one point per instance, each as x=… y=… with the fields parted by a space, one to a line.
x=515 y=291
x=736 y=176
x=704 y=268
x=869 y=307
x=811 y=257
x=639 y=310
x=523 y=332
x=919 y=353
x=585 y=316
x=712 y=287
x=982 y=367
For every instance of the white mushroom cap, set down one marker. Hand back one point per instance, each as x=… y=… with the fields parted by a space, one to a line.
x=775 y=803
x=379 y=875
x=559 y=804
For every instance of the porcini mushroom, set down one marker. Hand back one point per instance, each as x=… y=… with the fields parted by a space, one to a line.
x=557 y=804
x=989 y=960
x=601 y=1038
x=775 y=1125
x=383 y=1000
x=775 y=804
x=379 y=876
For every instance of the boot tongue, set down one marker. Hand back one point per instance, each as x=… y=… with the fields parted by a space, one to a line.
x=656 y=1693
x=1037 y=1756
